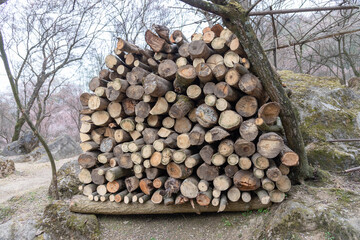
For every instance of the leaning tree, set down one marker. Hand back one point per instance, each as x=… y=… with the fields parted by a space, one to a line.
x=236 y=18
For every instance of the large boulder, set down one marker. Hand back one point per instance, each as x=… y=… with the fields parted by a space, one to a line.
x=68 y=181
x=61 y=148
x=327 y=111
x=59 y=223
x=26 y=143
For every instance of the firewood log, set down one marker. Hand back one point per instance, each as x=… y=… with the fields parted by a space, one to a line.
x=219 y=45
x=178 y=171
x=204 y=198
x=230 y=170
x=203 y=186
x=283 y=183
x=273 y=172
x=206 y=116
x=207 y=172
x=85 y=176
x=210 y=100
x=181 y=107
x=156 y=86
x=129 y=106
x=233 y=159
x=161 y=107
x=269 y=112
x=159 y=181
x=288 y=157
x=248 y=130
x=244 y=148
x=276 y=196
x=192 y=160
x=259 y=161
x=167 y=69
x=194 y=92
x=146 y=186
x=246 y=181
x=233 y=194
x=185 y=76
x=116 y=173
x=189 y=187
x=267 y=184
x=270 y=145
x=88 y=159
x=224 y=90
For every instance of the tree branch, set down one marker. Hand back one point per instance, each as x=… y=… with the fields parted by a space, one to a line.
x=26 y=116
x=252 y=7
x=207 y=6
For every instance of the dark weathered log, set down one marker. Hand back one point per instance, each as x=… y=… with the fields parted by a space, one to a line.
x=206 y=153
x=197 y=135
x=156 y=86
x=158 y=44
x=167 y=69
x=172 y=185
x=216 y=134
x=209 y=88
x=207 y=172
x=128 y=105
x=114 y=95
x=199 y=49
x=181 y=107
x=97 y=82
x=135 y=92
x=107 y=145
x=244 y=148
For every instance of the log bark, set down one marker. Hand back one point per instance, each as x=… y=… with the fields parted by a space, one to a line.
x=181 y=107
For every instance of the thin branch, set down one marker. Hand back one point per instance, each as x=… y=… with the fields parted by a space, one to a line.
x=252 y=7
x=207 y=6
x=298 y=10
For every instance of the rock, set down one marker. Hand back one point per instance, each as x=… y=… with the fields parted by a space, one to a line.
x=7 y=167
x=59 y=223
x=354 y=83
x=311 y=215
x=62 y=147
x=26 y=143
x=68 y=181
x=327 y=110
x=14 y=229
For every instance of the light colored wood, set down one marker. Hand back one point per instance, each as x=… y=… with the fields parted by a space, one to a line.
x=246 y=106
x=246 y=181
x=244 y=163
x=226 y=148
x=101 y=118
x=210 y=100
x=233 y=194
x=214 y=60
x=258 y=173
x=193 y=160
x=248 y=130
x=233 y=159
x=222 y=182
x=89 y=146
x=204 y=197
x=270 y=145
x=178 y=170
x=219 y=45
x=171 y=96
x=276 y=196
x=189 y=187
x=185 y=76
x=194 y=92
x=224 y=90
x=269 y=112
x=182 y=125
x=222 y=105
x=203 y=186
x=246 y=197
x=168 y=122
x=161 y=107
x=217 y=159
x=288 y=157
x=267 y=184
x=283 y=183
x=259 y=161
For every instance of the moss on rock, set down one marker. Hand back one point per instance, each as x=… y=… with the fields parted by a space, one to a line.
x=327 y=110
x=59 y=223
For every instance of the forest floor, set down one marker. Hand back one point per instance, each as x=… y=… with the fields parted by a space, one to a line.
x=24 y=197
x=28 y=177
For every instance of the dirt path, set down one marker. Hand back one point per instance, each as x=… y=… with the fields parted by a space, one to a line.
x=28 y=177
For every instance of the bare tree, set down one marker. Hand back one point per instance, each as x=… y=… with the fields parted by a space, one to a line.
x=48 y=37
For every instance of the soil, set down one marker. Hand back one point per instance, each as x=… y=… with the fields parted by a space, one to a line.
x=27 y=177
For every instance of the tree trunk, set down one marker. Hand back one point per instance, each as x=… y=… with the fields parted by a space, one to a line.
x=237 y=20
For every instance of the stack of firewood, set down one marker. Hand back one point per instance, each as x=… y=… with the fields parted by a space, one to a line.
x=185 y=121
